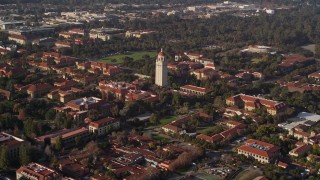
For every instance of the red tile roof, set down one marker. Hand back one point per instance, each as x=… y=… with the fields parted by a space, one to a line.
x=262 y=148
x=282 y=164
x=75 y=132
x=103 y=122
x=40 y=87
x=315 y=75
x=195 y=88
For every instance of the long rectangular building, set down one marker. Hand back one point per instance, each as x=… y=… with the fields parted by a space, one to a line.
x=259 y=150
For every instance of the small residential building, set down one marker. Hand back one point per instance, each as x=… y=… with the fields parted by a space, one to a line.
x=103 y=126
x=36 y=171
x=259 y=150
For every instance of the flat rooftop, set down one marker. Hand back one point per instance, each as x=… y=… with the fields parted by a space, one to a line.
x=304 y=118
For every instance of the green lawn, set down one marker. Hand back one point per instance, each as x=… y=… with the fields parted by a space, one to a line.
x=205 y=130
x=256 y=60
x=248 y=174
x=166 y=120
x=118 y=59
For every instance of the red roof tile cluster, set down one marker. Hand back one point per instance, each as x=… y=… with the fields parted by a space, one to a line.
x=256 y=102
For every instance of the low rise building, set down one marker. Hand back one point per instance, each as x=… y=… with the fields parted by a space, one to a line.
x=71 y=138
x=37 y=90
x=259 y=150
x=203 y=73
x=290 y=61
x=117 y=89
x=251 y=103
x=136 y=95
x=103 y=126
x=36 y=171
x=83 y=104
x=300 y=150
x=194 y=90
x=138 y=34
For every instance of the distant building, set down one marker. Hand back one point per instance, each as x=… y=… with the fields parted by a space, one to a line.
x=203 y=73
x=136 y=95
x=194 y=90
x=103 y=126
x=251 y=103
x=117 y=89
x=36 y=171
x=257 y=49
x=290 y=61
x=161 y=78
x=138 y=34
x=259 y=150
x=199 y=58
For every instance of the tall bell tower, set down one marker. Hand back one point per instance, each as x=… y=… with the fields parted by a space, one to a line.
x=161 y=70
